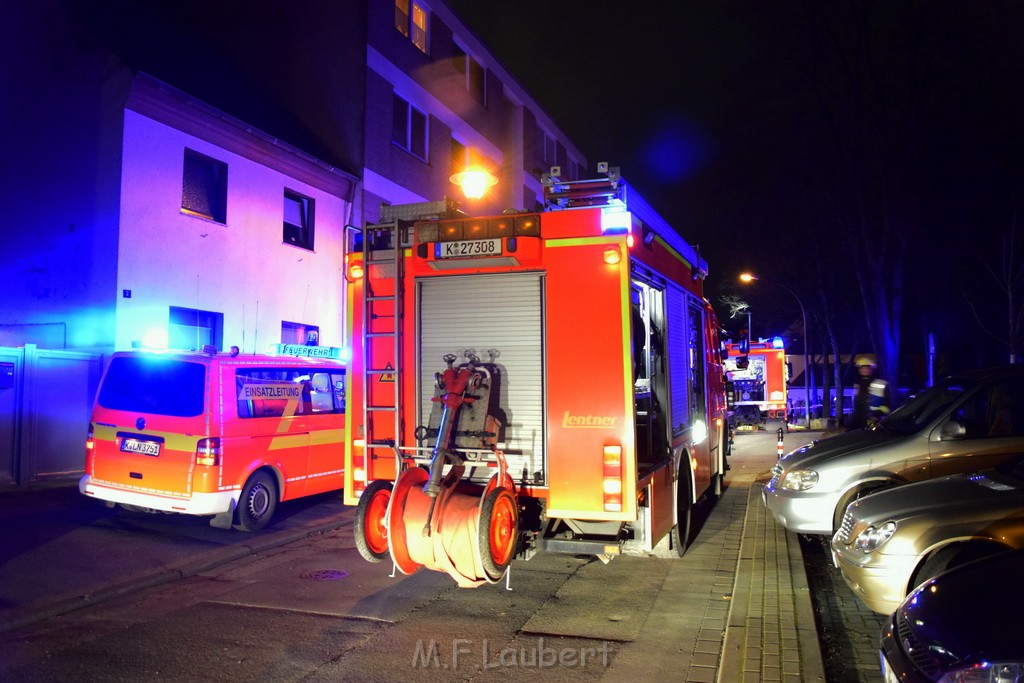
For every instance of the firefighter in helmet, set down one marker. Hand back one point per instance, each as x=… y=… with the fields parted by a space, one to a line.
x=870 y=403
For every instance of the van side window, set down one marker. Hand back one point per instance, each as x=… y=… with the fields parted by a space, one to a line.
x=286 y=392
x=328 y=392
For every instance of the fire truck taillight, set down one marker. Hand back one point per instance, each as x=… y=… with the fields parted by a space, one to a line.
x=612 y=255
x=359 y=469
x=208 y=452
x=613 y=478
x=353 y=270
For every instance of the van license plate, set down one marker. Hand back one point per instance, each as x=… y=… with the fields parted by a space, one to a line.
x=141 y=447
x=470 y=248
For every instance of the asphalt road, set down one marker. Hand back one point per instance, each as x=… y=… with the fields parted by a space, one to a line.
x=296 y=602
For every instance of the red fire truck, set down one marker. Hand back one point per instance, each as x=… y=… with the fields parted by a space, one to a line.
x=757 y=381
x=529 y=381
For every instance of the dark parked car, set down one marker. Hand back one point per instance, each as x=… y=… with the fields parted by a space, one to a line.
x=963 y=625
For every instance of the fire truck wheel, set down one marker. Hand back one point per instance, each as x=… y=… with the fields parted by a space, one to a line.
x=498 y=533
x=681 y=531
x=370 y=532
x=257 y=503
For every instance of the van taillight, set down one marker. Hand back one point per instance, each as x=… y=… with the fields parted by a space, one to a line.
x=208 y=452
x=90 y=449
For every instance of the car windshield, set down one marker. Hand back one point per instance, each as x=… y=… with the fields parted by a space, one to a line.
x=154 y=386
x=920 y=409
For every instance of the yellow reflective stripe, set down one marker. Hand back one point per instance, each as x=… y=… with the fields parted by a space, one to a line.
x=172 y=441
x=584 y=241
x=289 y=441
x=322 y=436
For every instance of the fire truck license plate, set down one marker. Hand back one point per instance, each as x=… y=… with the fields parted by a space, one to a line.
x=141 y=447
x=471 y=248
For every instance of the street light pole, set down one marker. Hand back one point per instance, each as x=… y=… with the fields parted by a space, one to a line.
x=748 y=278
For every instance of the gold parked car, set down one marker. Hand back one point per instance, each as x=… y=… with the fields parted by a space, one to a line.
x=893 y=541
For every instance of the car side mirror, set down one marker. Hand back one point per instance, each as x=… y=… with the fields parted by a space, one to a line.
x=952 y=430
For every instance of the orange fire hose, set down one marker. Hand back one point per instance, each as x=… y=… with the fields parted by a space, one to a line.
x=453 y=546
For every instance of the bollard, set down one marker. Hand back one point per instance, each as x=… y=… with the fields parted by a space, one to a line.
x=778 y=450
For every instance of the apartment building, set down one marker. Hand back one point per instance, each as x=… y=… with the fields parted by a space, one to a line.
x=183 y=173
x=438 y=102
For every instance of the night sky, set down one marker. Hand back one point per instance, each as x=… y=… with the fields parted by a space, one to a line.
x=783 y=137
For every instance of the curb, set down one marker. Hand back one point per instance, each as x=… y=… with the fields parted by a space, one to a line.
x=742 y=625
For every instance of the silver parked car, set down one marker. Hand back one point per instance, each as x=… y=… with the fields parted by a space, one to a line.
x=893 y=541
x=964 y=423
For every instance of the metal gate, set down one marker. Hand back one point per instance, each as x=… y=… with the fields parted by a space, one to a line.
x=483 y=312
x=46 y=398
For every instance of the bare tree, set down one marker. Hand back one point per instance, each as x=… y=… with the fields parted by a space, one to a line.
x=1005 y=268
x=735 y=305
x=876 y=73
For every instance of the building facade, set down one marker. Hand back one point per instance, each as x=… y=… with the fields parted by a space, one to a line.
x=438 y=102
x=183 y=174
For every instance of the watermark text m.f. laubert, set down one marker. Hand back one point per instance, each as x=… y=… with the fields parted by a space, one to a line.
x=429 y=654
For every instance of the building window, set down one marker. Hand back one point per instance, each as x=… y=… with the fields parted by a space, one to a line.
x=464 y=157
x=409 y=128
x=473 y=72
x=550 y=150
x=300 y=334
x=298 y=220
x=204 y=187
x=412 y=19
x=190 y=329
x=574 y=170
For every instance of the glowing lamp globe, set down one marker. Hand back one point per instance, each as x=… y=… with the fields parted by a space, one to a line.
x=474 y=182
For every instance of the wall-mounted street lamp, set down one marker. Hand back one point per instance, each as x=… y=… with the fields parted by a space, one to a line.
x=474 y=182
x=747 y=278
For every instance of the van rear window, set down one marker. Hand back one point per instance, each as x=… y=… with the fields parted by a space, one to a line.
x=154 y=386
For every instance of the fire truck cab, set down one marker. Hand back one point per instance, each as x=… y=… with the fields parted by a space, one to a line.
x=530 y=381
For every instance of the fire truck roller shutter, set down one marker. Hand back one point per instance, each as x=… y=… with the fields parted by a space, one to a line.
x=495 y=311
x=678 y=344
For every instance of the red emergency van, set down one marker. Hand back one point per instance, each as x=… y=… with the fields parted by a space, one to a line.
x=217 y=434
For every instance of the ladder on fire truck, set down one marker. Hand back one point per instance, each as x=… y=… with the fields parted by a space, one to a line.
x=606 y=190
x=383 y=308
x=382 y=311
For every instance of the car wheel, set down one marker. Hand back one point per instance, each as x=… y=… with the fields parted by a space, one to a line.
x=370 y=532
x=949 y=557
x=257 y=503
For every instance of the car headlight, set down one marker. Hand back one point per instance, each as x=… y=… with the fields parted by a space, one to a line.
x=986 y=672
x=799 y=480
x=872 y=537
